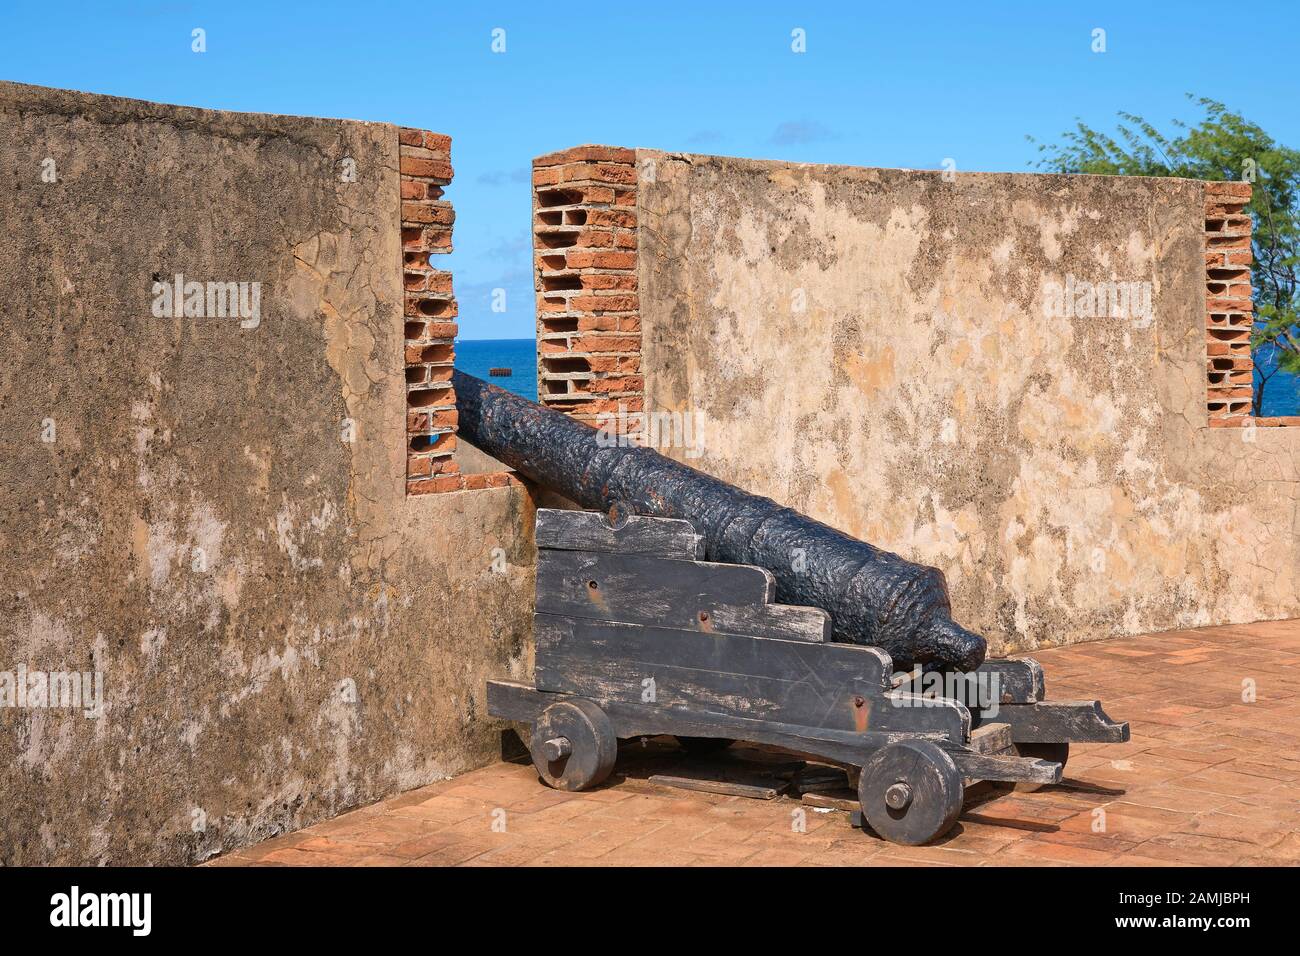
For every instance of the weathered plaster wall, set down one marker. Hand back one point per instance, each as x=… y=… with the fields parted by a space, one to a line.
x=870 y=346
x=330 y=642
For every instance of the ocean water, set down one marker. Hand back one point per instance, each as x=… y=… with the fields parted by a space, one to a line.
x=1282 y=394
x=477 y=356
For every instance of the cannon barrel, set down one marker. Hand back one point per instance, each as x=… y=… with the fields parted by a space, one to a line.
x=873 y=596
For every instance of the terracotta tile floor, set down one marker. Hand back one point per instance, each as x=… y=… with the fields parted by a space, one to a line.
x=1207 y=779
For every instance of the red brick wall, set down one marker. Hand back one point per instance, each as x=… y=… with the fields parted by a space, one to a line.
x=429 y=316
x=1229 y=307
x=430 y=311
x=588 y=320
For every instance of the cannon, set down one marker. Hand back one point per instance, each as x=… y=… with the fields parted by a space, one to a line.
x=649 y=621
x=874 y=597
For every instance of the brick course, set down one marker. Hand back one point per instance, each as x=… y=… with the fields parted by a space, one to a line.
x=1230 y=310
x=588 y=311
x=429 y=315
x=429 y=312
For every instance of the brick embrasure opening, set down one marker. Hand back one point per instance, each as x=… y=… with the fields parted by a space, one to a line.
x=429 y=315
x=1230 y=311
x=588 y=313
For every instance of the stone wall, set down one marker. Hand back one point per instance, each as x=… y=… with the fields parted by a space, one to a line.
x=965 y=370
x=210 y=513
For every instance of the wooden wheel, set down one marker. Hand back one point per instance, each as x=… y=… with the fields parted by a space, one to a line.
x=1057 y=753
x=704 y=745
x=573 y=745
x=911 y=792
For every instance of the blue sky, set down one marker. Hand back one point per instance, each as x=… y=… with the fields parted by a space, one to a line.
x=880 y=84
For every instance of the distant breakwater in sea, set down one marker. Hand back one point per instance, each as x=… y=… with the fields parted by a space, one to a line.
x=479 y=356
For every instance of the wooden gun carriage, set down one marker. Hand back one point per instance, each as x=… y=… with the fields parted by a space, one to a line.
x=636 y=636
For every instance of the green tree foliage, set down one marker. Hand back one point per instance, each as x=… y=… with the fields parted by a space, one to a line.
x=1222 y=146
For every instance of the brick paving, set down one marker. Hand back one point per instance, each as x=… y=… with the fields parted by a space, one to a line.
x=1207 y=779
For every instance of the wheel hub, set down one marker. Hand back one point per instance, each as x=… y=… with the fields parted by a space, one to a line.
x=898 y=796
